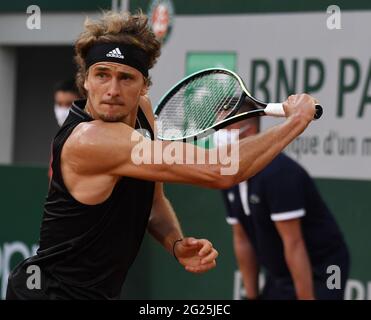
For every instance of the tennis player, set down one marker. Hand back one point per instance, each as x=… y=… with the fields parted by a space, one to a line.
x=100 y=202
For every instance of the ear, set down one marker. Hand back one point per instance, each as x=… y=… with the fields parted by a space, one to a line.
x=86 y=86
x=144 y=90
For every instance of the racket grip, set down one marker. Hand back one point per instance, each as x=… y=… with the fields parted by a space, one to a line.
x=277 y=110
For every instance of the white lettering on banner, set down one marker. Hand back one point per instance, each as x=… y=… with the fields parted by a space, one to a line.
x=7 y=252
x=332 y=144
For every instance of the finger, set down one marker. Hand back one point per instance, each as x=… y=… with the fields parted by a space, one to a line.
x=206 y=248
x=189 y=242
x=292 y=98
x=210 y=257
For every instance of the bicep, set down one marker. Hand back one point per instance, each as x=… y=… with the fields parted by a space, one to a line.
x=118 y=150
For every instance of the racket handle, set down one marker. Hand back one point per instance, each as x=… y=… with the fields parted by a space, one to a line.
x=277 y=110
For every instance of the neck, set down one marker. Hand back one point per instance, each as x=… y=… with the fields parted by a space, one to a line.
x=130 y=119
x=90 y=111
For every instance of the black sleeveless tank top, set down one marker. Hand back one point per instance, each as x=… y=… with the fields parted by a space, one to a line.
x=88 y=249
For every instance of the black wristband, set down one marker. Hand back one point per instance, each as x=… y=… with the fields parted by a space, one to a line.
x=174 y=248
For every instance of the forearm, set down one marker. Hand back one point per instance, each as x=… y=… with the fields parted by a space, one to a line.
x=249 y=269
x=163 y=224
x=229 y=168
x=258 y=151
x=299 y=265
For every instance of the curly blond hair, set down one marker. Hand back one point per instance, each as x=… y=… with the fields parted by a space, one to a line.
x=115 y=27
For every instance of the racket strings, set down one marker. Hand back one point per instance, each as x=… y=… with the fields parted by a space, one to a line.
x=222 y=105
x=216 y=102
x=199 y=104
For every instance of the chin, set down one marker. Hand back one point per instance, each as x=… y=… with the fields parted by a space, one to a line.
x=112 y=117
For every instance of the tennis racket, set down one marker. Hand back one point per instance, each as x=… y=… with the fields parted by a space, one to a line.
x=207 y=101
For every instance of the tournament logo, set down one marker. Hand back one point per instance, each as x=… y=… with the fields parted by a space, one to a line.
x=161 y=15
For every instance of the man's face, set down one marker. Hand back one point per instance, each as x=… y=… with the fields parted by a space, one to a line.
x=113 y=90
x=64 y=98
x=62 y=102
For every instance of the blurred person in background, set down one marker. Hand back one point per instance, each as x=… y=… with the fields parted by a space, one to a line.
x=281 y=223
x=65 y=93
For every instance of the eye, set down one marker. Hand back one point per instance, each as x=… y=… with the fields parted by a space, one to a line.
x=101 y=75
x=126 y=76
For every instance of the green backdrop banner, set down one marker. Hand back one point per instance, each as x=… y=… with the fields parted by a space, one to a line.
x=155 y=274
x=22 y=193
x=196 y=61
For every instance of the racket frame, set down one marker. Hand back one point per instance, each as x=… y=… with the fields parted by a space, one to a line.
x=231 y=118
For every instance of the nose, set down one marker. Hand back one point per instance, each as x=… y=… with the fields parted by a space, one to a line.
x=114 y=88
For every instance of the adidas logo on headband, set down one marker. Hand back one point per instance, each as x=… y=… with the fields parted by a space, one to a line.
x=115 y=53
x=122 y=53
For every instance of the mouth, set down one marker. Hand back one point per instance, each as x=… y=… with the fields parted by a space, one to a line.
x=113 y=104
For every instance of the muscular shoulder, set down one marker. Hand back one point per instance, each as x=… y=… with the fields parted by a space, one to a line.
x=96 y=133
x=93 y=145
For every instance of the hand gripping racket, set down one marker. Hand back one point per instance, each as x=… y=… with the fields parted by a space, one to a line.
x=207 y=101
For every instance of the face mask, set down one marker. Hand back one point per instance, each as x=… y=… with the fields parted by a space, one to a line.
x=61 y=114
x=223 y=137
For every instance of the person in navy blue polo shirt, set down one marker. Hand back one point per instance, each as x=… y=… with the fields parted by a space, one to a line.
x=281 y=223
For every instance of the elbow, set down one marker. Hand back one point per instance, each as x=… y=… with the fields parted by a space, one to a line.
x=223 y=174
x=210 y=177
x=223 y=181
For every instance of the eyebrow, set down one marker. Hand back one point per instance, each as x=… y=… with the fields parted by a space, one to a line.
x=124 y=73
